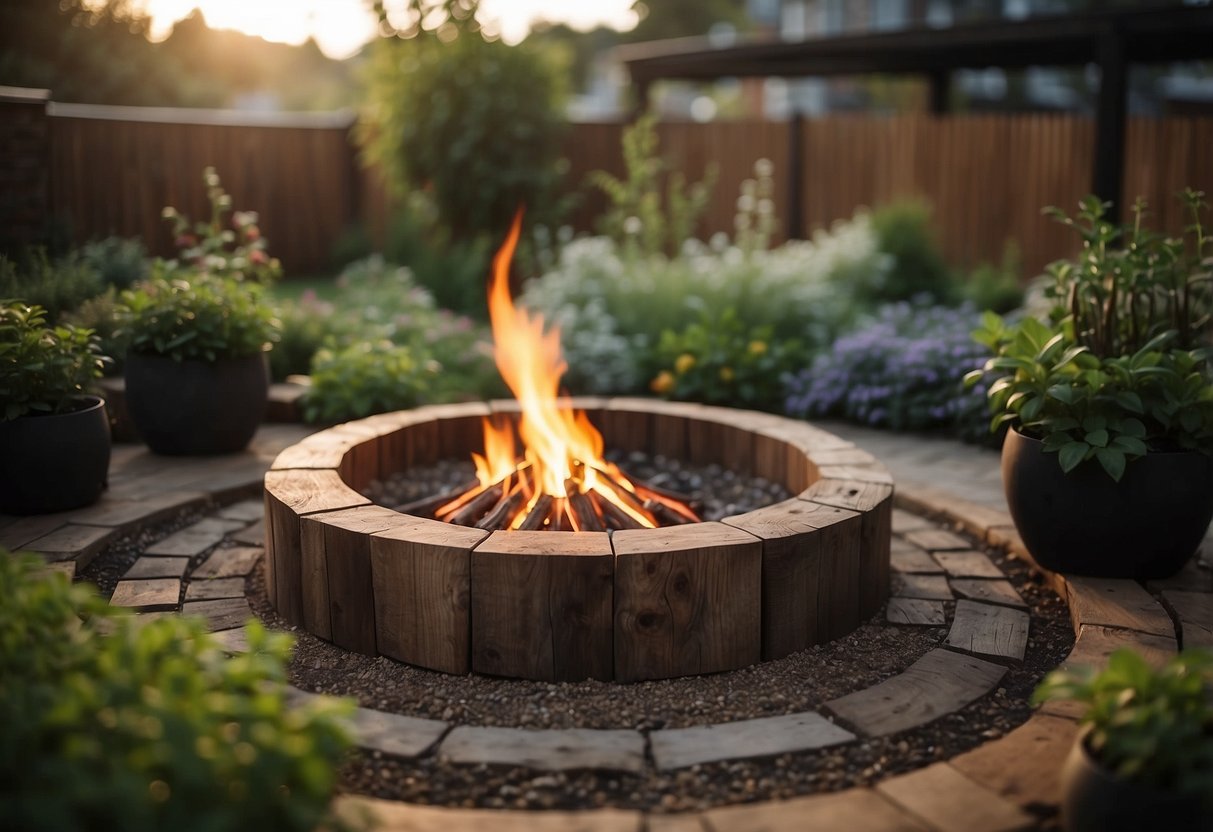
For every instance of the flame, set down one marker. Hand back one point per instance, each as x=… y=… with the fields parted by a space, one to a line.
x=561 y=445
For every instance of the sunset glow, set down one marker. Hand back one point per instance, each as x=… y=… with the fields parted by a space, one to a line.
x=341 y=27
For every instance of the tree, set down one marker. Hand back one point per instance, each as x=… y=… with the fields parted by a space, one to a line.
x=661 y=19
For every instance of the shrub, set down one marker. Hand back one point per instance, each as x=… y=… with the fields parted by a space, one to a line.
x=196 y=316
x=902 y=370
x=101 y=315
x=903 y=231
x=307 y=325
x=998 y=287
x=43 y=369
x=111 y=723
x=719 y=360
x=366 y=377
x=120 y=262
x=231 y=248
x=57 y=286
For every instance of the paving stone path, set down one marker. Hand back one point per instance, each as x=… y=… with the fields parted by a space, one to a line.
x=991 y=787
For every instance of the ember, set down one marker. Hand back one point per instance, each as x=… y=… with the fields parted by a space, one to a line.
x=560 y=481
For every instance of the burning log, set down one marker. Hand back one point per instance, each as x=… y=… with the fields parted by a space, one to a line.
x=669 y=495
x=560 y=520
x=477 y=507
x=623 y=493
x=583 y=512
x=502 y=513
x=426 y=506
x=615 y=517
x=539 y=513
x=665 y=515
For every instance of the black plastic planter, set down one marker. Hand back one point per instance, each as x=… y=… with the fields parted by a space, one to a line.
x=196 y=407
x=54 y=463
x=1083 y=523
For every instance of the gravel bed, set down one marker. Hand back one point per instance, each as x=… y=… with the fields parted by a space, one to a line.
x=715 y=491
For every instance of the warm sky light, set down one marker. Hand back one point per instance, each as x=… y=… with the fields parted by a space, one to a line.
x=341 y=26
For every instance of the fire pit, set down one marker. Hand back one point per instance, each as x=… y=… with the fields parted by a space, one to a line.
x=555 y=565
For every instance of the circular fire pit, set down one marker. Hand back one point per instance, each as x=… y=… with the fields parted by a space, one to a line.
x=566 y=606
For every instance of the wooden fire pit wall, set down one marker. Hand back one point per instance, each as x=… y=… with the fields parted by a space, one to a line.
x=566 y=606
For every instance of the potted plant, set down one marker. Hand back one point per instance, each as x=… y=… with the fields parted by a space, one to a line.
x=54 y=435
x=196 y=370
x=1144 y=759
x=1106 y=465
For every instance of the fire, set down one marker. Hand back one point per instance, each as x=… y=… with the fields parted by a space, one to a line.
x=562 y=480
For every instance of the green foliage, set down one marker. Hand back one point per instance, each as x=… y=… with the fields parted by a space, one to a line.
x=43 y=369
x=120 y=262
x=184 y=315
x=903 y=230
x=237 y=252
x=58 y=286
x=720 y=360
x=1114 y=299
x=474 y=123
x=367 y=377
x=453 y=271
x=638 y=218
x=307 y=325
x=1153 y=727
x=102 y=315
x=1123 y=369
x=354 y=243
x=111 y=723
x=997 y=287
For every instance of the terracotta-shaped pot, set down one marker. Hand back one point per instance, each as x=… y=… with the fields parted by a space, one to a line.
x=1084 y=523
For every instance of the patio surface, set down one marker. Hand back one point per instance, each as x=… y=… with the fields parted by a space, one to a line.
x=1008 y=783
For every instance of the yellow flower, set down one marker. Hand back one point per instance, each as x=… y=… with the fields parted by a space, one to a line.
x=758 y=347
x=664 y=382
x=683 y=363
x=726 y=373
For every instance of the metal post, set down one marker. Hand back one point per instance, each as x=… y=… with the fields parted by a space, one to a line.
x=1107 y=179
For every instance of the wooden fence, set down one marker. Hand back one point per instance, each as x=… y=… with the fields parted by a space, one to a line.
x=113 y=169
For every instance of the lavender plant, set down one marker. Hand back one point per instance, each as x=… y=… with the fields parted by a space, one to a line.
x=902 y=370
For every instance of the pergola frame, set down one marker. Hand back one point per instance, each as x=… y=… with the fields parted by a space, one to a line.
x=1111 y=40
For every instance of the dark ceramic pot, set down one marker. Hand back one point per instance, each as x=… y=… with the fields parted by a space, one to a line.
x=1083 y=523
x=54 y=463
x=1095 y=800
x=196 y=407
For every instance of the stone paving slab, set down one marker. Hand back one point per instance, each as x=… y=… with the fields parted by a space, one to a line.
x=215 y=589
x=681 y=747
x=67 y=568
x=913 y=559
x=992 y=592
x=400 y=736
x=968 y=564
x=988 y=630
x=18 y=532
x=951 y=802
x=675 y=823
x=926 y=587
x=916 y=611
x=854 y=810
x=246 y=511
x=1192 y=578
x=74 y=542
x=158 y=568
x=389 y=816
x=1115 y=603
x=253 y=535
x=232 y=641
x=938 y=683
x=225 y=614
x=1024 y=765
x=149 y=595
x=1195 y=613
x=230 y=562
x=549 y=750
x=904 y=521
x=193 y=540
x=112 y=512
x=937 y=540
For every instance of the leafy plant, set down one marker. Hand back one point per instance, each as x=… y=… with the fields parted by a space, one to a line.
x=231 y=248
x=903 y=231
x=1118 y=373
x=101 y=315
x=196 y=316
x=720 y=360
x=1151 y=726
x=997 y=286
x=902 y=370
x=307 y=325
x=43 y=369
x=638 y=218
x=367 y=377
x=58 y=286
x=113 y=723
x=120 y=262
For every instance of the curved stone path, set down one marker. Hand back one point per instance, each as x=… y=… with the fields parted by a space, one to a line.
x=1004 y=784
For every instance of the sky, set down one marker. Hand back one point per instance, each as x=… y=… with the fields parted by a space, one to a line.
x=340 y=27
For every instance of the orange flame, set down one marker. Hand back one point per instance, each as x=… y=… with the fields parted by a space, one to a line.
x=561 y=444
